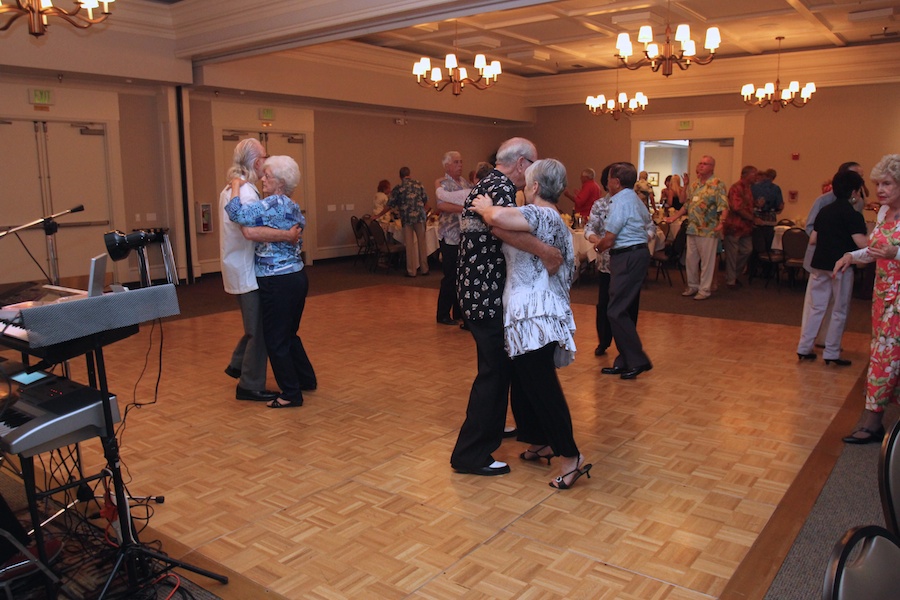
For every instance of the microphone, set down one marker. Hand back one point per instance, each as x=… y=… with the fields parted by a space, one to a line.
x=78 y=208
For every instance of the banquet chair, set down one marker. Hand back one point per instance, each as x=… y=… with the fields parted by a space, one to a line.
x=889 y=478
x=364 y=247
x=794 y=243
x=764 y=258
x=386 y=251
x=671 y=256
x=864 y=564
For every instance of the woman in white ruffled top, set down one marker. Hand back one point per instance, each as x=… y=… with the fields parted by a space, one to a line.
x=538 y=322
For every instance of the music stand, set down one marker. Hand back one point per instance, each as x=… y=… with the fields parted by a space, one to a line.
x=88 y=319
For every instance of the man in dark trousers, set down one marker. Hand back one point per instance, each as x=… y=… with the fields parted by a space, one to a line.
x=481 y=279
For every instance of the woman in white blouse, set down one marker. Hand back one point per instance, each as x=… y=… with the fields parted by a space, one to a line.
x=537 y=320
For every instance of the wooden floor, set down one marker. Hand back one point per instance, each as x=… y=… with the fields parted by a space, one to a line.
x=352 y=495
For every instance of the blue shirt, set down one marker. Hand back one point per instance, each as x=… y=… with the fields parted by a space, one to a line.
x=628 y=219
x=278 y=212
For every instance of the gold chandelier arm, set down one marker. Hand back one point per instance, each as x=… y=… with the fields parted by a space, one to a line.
x=11 y=14
x=635 y=65
x=703 y=61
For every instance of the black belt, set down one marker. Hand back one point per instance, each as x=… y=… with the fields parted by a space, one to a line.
x=615 y=251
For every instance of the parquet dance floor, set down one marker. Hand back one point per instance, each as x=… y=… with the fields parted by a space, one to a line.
x=352 y=495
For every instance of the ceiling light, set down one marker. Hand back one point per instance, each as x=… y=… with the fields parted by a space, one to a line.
x=455 y=76
x=39 y=11
x=771 y=94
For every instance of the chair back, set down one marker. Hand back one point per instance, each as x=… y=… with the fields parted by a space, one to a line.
x=679 y=243
x=865 y=563
x=378 y=237
x=889 y=478
x=762 y=240
x=787 y=222
x=794 y=242
x=357 y=232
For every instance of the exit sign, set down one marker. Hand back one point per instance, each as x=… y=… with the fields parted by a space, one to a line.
x=267 y=114
x=40 y=97
x=685 y=125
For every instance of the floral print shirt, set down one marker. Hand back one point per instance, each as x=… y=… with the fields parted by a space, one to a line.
x=409 y=198
x=536 y=309
x=278 y=212
x=739 y=198
x=448 y=224
x=705 y=203
x=596 y=225
x=481 y=275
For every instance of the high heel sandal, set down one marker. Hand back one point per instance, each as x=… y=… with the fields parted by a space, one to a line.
x=838 y=361
x=560 y=482
x=536 y=456
x=810 y=356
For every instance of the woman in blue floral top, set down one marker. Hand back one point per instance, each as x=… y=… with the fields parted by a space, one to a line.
x=283 y=284
x=537 y=319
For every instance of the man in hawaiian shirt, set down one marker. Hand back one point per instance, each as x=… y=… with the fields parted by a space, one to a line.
x=409 y=198
x=706 y=206
x=739 y=227
x=481 y=279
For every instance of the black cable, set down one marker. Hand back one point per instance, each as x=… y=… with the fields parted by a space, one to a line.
x=47 y=277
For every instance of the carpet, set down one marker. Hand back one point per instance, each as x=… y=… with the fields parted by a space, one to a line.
x=86 y=561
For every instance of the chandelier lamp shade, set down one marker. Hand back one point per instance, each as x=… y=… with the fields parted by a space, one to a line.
x=80 y=15
x=679 y=50
x=772 y=94
x=618 y=104
x=455 y=76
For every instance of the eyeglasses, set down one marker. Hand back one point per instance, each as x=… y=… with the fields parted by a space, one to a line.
x=530 y=162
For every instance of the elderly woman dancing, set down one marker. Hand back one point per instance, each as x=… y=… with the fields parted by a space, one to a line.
x=537 y=319
x=883 y=379
x=283 y=284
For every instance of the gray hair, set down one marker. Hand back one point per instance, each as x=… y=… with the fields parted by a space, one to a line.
x=449 y=157
x=285 y=170
x=550 y=175
x=887 y=168
x=246 y=153
x=512 y=149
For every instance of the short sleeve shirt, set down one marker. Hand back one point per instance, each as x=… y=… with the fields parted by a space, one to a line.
x=705 y=202
x=409 y=198
x=482 y=269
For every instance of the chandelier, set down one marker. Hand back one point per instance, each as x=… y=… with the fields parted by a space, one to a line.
x=456 y=76
x=666 y=56
x=38 y=12
x=618 y=104
x=772 y=94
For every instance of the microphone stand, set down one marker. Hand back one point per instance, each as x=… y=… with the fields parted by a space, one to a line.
x=50 y=229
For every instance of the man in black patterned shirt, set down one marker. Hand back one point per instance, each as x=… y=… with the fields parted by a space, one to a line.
x=480 y=282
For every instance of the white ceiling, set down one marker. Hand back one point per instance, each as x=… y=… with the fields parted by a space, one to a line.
x=579 y=35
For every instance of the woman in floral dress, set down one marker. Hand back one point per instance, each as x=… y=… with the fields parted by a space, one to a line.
x=538 y=325
x=883 y=380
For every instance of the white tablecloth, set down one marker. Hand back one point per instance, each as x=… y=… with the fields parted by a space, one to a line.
x=431 y=238
x=779 y=232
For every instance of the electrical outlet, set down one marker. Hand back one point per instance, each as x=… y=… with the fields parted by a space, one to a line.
x=151 y=217
x=332 y=207
x=348 y=207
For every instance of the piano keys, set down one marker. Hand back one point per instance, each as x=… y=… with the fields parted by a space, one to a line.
x=52 y=413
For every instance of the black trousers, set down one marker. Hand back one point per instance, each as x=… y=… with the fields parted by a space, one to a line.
x=282 y=298
x=482 y=431
x=448 y=304
x=604 y=329
x=542 y=414
x=627 y=271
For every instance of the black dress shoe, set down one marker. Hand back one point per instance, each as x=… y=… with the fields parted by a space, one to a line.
x=841 y=362
x=599 y=351
x=633 y=373
x=255 y=395
x=464 y=325
x=232 y=372
x=872 y=437
x=510 y=433
x=613 y=370
x=484 y=471
x=446 y=321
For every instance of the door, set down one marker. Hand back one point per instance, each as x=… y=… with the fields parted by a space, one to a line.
x=55 y=166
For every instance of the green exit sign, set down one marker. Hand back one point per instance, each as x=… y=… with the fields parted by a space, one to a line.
x=40 y=97
x=685 y=125
x=267 y=114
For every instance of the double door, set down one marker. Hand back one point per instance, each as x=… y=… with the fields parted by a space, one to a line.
x=49 y=167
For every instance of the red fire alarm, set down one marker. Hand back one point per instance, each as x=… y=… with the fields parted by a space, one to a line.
x=795 y=156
